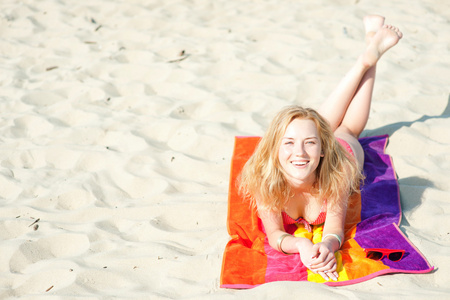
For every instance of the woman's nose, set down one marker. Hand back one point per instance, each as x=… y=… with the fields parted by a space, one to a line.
x=299 y=149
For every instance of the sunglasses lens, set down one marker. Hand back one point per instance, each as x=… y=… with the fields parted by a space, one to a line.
x=374 y=255
x=396 y=256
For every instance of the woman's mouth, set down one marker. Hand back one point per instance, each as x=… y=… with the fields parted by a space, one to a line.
x=302 y=163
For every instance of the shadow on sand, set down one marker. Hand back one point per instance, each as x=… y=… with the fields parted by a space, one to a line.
x=391 y=128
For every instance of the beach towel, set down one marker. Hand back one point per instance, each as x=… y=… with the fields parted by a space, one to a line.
x=372 y=221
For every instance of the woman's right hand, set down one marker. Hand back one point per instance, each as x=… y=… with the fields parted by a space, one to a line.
x=308 y=255
x=324 y=261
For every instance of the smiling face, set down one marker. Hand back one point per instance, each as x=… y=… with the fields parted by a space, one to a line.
x=300 y=152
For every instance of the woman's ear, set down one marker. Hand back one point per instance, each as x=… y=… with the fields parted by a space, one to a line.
x=322 y=154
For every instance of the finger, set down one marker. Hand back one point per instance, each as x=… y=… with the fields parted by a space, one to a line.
x=321 y=262
x=319 y=258
x=327 y=275
x=336 y=276
x=324 y=275
x=315 y=251
x=322 y=258
x=329 y=265
x=332 y=275
x=333 y=268
x=322 y=250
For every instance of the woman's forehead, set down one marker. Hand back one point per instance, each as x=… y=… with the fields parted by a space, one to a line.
x=301 y=127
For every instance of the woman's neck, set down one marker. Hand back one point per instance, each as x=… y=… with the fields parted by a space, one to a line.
x=303 y=187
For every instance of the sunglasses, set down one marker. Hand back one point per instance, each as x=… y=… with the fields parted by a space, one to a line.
x=378 y=254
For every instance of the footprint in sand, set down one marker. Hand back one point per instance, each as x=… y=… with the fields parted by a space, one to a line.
x=75 y=198
x=31 y=126
x=10 y=188
x=42 y=98
x=50 y=277
x=57 y=246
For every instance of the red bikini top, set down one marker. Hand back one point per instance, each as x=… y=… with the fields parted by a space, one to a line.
x=319 y=220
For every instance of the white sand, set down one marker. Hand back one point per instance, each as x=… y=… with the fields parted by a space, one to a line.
x=123 y=156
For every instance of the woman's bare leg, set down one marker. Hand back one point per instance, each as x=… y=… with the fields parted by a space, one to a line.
x=348 y=107
x=334 y=109
x=360 y=104
x=357 y=114
x=335 y=106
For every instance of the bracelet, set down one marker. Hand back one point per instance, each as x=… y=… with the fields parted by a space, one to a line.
x=280 y=240
x=334 y=235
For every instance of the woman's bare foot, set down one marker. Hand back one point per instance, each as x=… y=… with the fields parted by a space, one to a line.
x=372 y=23
x=384 y=39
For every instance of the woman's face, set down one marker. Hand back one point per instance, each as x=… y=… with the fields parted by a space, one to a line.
x=300 y=152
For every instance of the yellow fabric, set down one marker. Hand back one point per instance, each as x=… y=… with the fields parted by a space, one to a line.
x=350 y=252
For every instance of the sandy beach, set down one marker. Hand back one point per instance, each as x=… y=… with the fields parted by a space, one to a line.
x=117 y=126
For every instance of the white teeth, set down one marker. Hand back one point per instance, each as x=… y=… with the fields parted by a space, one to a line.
x=298 y=163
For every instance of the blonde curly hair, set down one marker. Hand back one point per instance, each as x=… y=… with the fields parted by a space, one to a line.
x=263 y=178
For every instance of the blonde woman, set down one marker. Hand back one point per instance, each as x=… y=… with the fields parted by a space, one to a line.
x=308 y=163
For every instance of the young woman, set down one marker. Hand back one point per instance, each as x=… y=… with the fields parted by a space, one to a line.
x=308 y=163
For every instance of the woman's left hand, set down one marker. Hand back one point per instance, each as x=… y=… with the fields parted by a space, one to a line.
x=323 y=261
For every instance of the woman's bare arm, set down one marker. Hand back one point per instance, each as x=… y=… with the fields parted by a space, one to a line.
x=273 y=224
